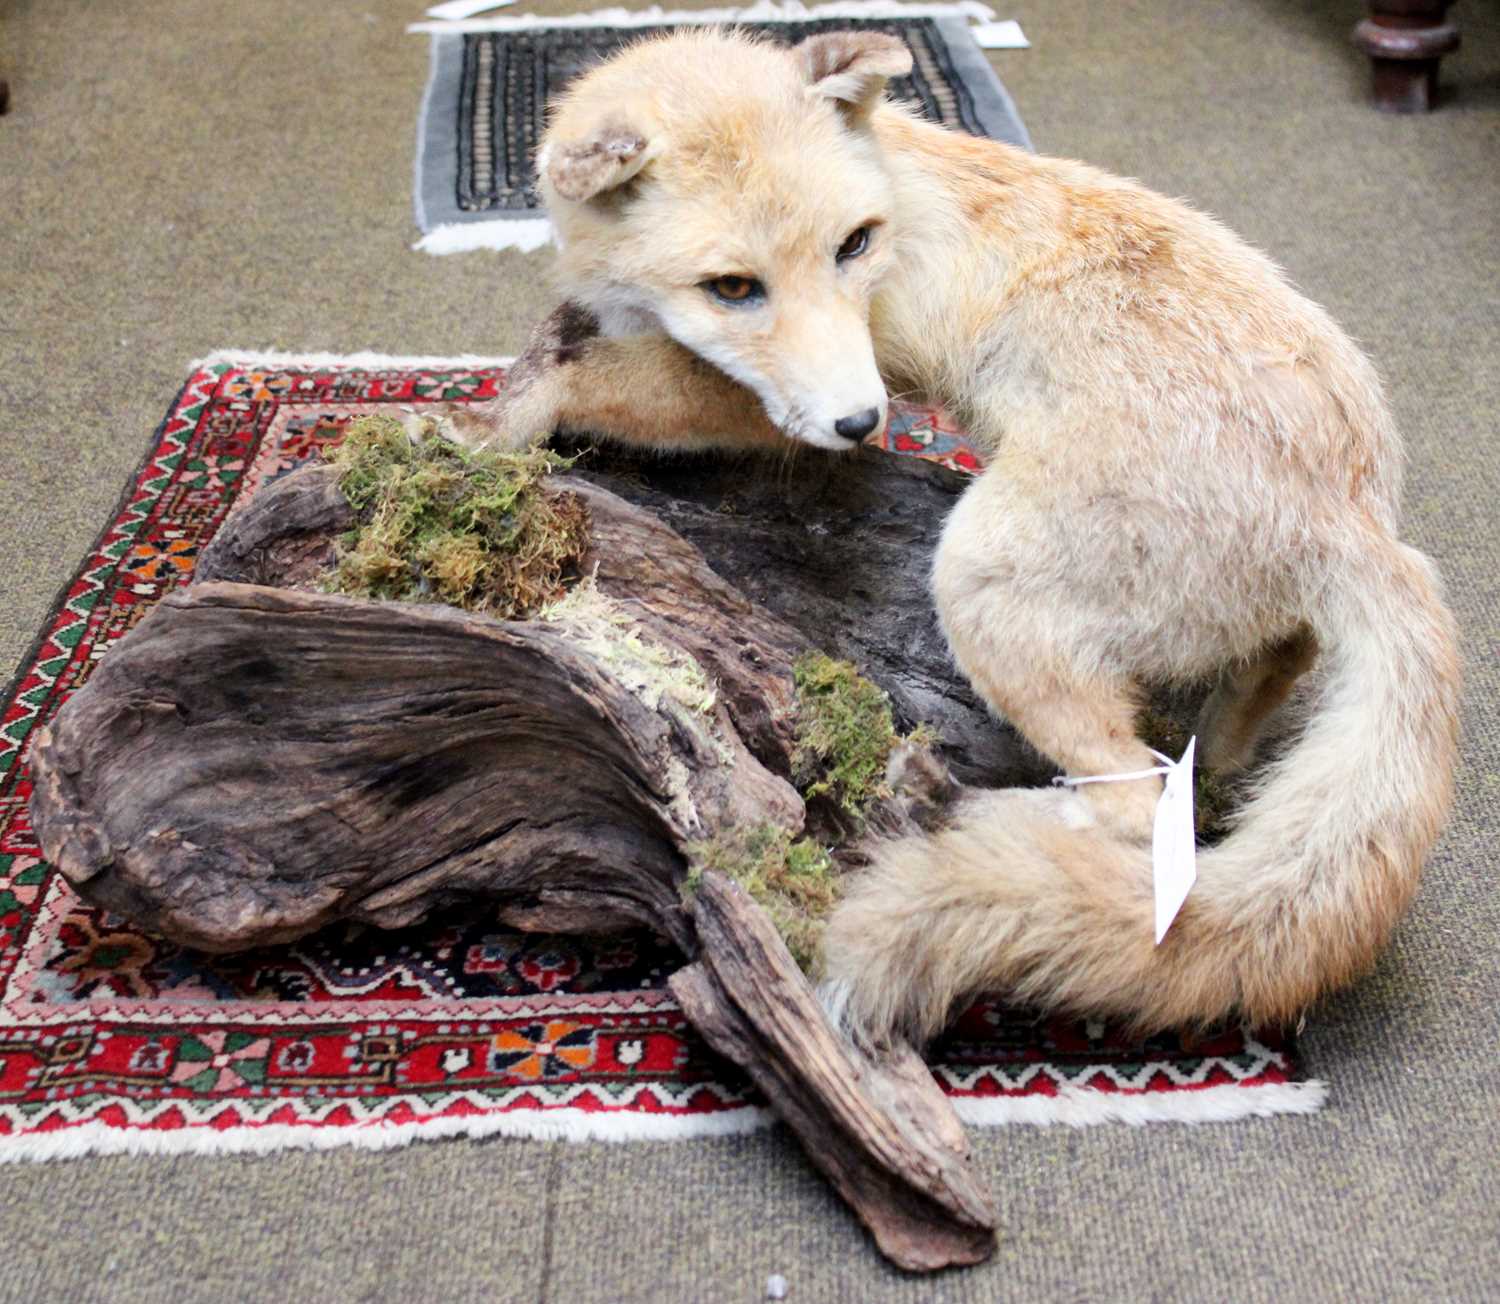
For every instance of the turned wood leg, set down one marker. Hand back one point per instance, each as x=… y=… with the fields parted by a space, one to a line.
x=1406 y=40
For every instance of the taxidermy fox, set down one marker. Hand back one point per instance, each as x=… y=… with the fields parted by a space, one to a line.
x=1192 y=474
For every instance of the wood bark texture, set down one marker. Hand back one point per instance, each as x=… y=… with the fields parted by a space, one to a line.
x=259 y=758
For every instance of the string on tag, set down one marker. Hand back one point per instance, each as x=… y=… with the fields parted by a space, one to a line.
x=1063 y=781
x=1174 y=867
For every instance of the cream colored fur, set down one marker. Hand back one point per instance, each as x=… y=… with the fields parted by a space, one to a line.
x=1192 y=473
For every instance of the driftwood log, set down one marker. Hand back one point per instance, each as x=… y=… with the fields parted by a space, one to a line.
x=260 y=757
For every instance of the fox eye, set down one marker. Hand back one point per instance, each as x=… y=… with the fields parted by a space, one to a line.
x=735 y=289
x=857 y=242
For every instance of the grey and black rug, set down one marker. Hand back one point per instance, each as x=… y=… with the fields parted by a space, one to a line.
x=487 y=95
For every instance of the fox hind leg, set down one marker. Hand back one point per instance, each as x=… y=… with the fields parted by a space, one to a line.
x=1234 y=718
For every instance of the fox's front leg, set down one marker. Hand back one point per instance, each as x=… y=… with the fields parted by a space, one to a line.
x=638 y=389
x=1035 y=645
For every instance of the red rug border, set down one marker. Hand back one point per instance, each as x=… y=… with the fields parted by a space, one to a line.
x=1287 y=1092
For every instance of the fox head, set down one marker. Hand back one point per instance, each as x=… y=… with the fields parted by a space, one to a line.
x=731 y=193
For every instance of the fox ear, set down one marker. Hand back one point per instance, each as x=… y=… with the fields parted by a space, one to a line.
x=852 y=67
x=605 y=158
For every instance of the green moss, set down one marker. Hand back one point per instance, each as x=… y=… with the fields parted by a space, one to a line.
x=439 y=523
x=845 y=733
x=795 y=882
x=1213 y=798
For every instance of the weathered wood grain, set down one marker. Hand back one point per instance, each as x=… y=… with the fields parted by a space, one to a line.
x=258 y=758
x=839 y=547
x=878 y=1127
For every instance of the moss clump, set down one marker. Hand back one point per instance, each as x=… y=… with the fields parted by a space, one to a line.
x=439 y=523
x=845 y=736
x=794 y=882
x=845 y=733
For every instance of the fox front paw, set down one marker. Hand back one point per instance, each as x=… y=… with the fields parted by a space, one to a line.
x=472 y=425
x=1129 y=809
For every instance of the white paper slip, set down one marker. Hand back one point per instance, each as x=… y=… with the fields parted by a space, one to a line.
x=457 y=10
x=1174 y=845
x=1174 y=840
x=1006 y=35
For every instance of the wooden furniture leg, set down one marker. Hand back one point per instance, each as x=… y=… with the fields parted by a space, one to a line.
x=1406 y=40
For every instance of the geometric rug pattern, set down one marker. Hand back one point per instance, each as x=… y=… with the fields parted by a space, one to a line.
x=112 y=1040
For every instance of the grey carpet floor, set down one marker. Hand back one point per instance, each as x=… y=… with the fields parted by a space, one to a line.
x=181 y=175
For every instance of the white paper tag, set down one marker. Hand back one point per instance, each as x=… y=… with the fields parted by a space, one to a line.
x=1174 y=845
x=1006 y=35
x=457 y=10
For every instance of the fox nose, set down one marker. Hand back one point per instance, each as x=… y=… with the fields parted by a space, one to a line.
x=859 y=425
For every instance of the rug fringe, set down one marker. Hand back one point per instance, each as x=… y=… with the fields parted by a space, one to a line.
x=1072 y=1107
x=766 y=11
x=523 y=233
x=365 y=358
x=1005 y=35
x=98 y=1139
x=454 y=10
x=419 y=211
x=1086 y=1107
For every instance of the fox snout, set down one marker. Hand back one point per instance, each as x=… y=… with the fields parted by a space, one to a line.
x=858 y=425
x=824 y=369
x=841 y=419
x=838 y=434
x=830 y=393
x=812 y=365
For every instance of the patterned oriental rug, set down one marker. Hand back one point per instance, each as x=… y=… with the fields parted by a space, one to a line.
x=491 y=81
x=114 y=1041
